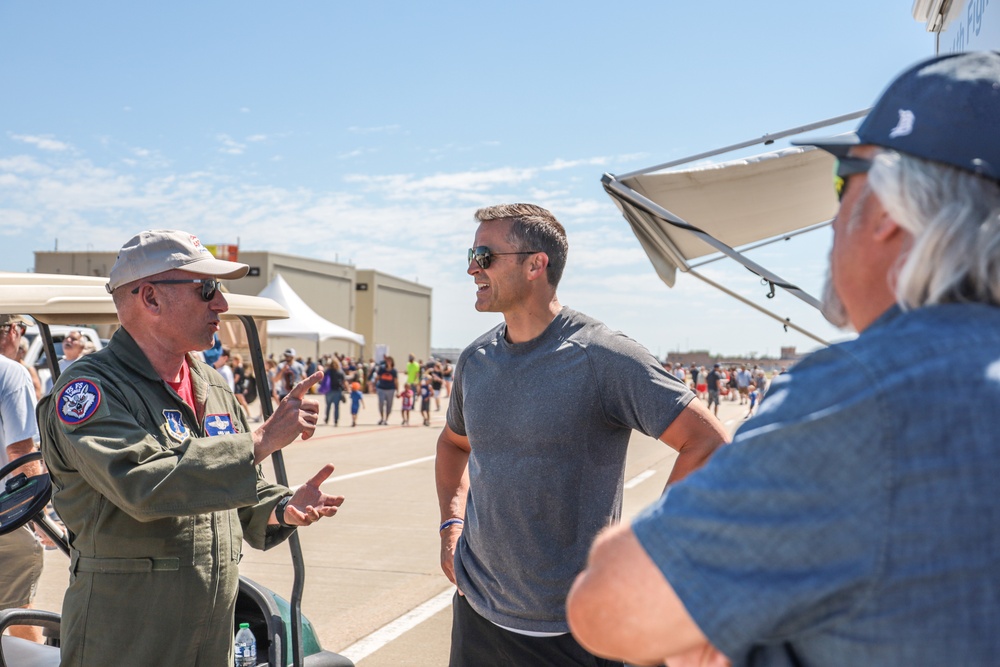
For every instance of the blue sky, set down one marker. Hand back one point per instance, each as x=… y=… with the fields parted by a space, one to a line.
x=370 y=132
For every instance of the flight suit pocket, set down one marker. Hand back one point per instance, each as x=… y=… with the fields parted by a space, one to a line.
x=235 y=535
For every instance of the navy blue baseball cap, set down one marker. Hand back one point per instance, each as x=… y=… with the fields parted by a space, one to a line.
x=945 y=109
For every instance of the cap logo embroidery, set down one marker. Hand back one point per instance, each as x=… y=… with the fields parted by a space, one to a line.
x=197 y=244
x=905 y=125
x=78 y=401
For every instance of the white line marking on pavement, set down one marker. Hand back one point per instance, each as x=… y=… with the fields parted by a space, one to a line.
x=639 y=479
x=362 y=473
x=367 y=645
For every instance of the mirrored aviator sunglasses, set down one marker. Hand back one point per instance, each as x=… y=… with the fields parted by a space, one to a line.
x=209 y=286
x=484 y=256
x=844 y=169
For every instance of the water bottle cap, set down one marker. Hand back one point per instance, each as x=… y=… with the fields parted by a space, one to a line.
x=244 y=625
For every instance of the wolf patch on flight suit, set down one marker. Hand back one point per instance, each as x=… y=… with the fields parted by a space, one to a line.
x=79 y=401
x=218 y=425
x=176 y=428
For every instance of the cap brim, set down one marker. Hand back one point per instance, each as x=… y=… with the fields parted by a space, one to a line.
x=837 y=145
x=217 y=268
x=26 y=320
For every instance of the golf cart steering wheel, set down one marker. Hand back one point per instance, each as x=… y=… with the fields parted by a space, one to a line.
x=22 y=497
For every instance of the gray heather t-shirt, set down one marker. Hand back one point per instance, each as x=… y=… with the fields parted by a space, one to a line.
x=549 y=421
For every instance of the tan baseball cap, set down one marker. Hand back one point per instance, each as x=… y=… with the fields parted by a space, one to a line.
x=15 y=319
x=155 y=251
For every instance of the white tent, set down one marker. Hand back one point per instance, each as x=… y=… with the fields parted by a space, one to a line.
x=303 y=322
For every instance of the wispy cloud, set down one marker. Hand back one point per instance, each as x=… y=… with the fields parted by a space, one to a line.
x=43 y=142
x=23 y=165
x=230 y=146
x=449 y=149
x=560 y=165
x=378 y=129
x=357 y=152
x=465 y=185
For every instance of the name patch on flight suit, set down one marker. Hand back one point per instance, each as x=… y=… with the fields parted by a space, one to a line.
x=218 y=425
x=175 y=425
x=79 y=401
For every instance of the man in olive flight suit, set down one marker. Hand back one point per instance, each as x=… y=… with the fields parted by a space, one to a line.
x=155 y=470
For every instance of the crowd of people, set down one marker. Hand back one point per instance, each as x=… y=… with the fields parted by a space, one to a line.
x=346 y=380
x=733 y=382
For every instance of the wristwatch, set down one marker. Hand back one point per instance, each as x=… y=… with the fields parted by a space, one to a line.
x=279 y=512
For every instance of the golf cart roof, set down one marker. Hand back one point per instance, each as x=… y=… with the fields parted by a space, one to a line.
x=64 y=299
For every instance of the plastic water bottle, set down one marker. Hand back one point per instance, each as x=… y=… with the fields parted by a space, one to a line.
x=246 y=647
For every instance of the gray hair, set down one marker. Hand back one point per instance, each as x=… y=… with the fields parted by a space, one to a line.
x=954 y=218
x=533 y=229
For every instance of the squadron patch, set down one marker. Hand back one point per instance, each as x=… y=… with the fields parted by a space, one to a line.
x=175 y=425
x=78 y=402
x=218 y=424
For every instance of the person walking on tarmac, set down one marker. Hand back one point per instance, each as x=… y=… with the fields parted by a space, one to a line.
x=155 y=469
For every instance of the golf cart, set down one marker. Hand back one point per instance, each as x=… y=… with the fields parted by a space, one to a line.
x=284 y=637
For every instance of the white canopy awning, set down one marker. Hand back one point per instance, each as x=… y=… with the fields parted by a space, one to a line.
x=735 y=203
x=728 y=208
x=303 y=321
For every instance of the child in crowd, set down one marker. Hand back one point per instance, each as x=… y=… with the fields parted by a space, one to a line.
x=425 y=399
x=357 y=401
x=754 y=394
x=407 y=395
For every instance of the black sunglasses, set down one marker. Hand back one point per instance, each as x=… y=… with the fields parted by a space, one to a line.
x=20 y=325
x=484 y=256
x=847 y=167
x=209 y=286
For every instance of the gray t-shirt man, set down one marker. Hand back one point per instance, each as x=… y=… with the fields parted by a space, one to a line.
x=549 y=422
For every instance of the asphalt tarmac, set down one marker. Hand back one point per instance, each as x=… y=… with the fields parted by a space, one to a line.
x=374 y=590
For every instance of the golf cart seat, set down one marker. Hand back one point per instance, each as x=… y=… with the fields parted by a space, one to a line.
x=17 y=652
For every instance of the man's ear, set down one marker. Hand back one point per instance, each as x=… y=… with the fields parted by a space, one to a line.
x=537 y=264
x=886 y=228
x=147 y=297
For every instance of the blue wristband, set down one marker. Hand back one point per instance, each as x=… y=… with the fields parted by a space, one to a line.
x=450 y=522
